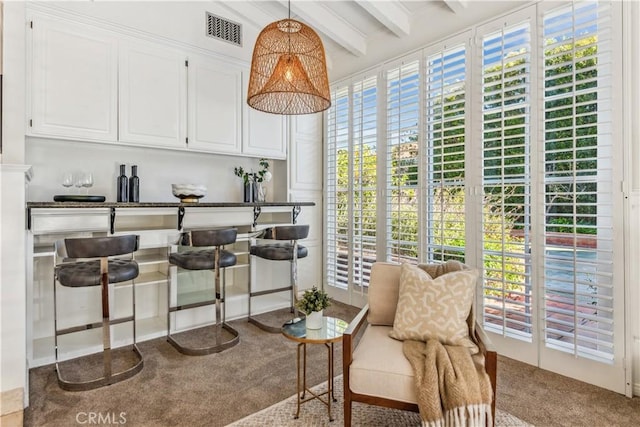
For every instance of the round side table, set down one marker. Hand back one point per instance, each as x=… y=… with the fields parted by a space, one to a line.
x=330 y=333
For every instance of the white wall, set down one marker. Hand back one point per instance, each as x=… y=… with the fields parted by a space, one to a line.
x=182 y=21
x=13 y=374
x=631 y=57
x=157 y=169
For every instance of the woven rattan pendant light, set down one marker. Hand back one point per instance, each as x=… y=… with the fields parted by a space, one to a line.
x=288 y=70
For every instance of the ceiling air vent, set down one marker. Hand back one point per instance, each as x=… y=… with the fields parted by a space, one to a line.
x=224 y=29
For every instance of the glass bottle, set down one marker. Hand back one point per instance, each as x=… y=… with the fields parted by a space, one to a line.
x=122 y=185
x=134 y=185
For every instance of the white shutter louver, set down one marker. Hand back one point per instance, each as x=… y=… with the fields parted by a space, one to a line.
x=506 y=59
x=578 y=178
x=364 y=161
x=352 y=183
x=445 y=75
x=337 y=184
x=403 y=109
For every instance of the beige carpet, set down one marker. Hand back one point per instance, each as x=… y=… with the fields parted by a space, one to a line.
x=219 y=389
x=314 y=413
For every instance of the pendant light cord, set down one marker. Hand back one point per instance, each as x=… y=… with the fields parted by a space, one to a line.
x=289 y=26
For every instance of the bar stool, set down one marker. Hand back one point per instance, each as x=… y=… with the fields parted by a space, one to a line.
x=97 y=272
x=290 y=251
x=206 y=259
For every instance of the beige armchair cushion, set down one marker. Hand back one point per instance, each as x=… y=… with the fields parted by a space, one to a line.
x=383 y=293
x=434 y=308
x=384 y=288
x=380 y=369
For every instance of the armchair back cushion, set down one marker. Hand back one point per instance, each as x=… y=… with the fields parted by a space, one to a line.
x=384 y=289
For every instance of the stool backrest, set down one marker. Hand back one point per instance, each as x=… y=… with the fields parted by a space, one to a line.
x=287 y=232
x=98 y=247
x=217 y=237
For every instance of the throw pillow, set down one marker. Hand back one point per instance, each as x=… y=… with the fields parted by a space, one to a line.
x=434 y=308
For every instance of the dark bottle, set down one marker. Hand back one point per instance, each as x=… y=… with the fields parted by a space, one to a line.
x=123 y=185
x=134 y=185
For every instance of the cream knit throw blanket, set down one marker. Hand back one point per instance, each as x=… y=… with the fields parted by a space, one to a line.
x=462 y=394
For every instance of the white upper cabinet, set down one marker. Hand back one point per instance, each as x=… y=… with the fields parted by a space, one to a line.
x=153 y=95
x=305 y=167
x=214 y=106
x=74 y=81
x=264 y=133
x=93 y=84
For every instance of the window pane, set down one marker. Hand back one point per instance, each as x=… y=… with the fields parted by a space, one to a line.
x=506 y=210
x=578 y=256
x=445 y=75
x=403 y=100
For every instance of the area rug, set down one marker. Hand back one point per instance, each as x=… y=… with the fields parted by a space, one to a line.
x=314 y=413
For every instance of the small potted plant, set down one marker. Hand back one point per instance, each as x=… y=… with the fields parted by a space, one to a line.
x=253 y=187
x=312 y=303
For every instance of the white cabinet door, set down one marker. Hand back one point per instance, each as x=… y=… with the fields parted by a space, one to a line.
x=305 y=167
x=305 y=185
x=153 y=95
x=264 y=134
x=74 y=81
x=214 y=106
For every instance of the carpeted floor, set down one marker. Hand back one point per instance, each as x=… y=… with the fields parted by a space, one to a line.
x=218 y=389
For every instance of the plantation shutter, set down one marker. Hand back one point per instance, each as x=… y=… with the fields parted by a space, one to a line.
x=352 y=183
x=506 y=174
x=337 y=185
x=445 y=75
x=403 y=111
x=364 y=161
x=579 y=185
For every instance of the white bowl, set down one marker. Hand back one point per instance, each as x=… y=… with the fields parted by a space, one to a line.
x=188 y=190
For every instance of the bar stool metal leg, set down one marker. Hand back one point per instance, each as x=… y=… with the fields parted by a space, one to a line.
x=219 y=290
x=279 y=252
x=108 y=376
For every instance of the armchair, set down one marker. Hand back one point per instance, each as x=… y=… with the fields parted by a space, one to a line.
x=376 y=371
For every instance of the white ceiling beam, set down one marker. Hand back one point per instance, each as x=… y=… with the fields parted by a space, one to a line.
x=456 y=6
x=322 y=19
x=390 y=13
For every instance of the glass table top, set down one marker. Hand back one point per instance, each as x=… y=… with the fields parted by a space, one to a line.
x=331 y=331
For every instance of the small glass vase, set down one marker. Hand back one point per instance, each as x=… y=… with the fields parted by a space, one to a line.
x=260 y=192
x=314 y=320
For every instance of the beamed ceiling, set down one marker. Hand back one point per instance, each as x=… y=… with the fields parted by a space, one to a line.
x=365 y=31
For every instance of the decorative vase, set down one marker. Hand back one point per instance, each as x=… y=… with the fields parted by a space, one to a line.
x=314 y=320
x=249 y=193
x=261 y=192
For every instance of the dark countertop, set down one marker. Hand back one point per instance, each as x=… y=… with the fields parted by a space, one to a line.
x=35 y=205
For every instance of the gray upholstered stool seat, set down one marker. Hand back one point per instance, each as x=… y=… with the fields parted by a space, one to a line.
x=279 y=251
x=87 y=273
x=202 y=260
x=205 y=259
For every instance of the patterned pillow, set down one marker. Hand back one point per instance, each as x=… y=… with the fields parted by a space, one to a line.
x=434 y=308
